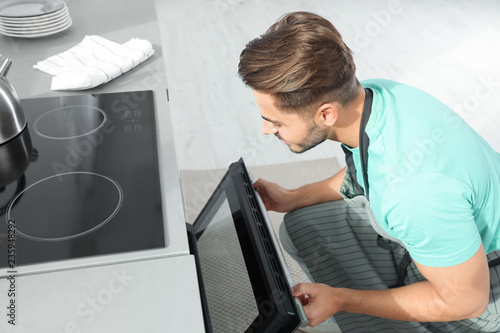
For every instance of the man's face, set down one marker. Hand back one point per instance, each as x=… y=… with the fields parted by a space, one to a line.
x=299 y=134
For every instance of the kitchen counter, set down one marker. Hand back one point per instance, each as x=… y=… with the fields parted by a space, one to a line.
x=153 y=291
x=158 y=295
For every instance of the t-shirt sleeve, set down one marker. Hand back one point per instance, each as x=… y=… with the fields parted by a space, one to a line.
x=432 y=215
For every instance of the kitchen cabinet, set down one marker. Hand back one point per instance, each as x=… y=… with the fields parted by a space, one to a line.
x=157 y=295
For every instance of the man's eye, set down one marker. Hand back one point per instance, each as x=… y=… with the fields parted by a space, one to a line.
x=277 y=125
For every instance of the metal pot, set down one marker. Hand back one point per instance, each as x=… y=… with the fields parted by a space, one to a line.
x=15 y=157
x=12 y=119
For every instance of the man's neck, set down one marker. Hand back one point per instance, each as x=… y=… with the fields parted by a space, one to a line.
x=347 y=127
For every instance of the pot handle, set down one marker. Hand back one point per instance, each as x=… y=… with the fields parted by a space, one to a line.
x=4 y=65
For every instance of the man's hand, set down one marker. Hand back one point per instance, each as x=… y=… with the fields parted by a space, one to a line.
x=319 y=301
x=279 y=199
x=275 y=197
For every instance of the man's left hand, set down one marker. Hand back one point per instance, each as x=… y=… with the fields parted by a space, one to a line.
x=318 y=299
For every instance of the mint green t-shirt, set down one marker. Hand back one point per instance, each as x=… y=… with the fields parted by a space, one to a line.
x=434 y=182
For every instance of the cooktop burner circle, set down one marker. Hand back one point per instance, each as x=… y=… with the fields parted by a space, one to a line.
x=69 y=122
x=99 y=197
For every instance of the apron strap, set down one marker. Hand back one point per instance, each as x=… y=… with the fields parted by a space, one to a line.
x=494 y=262
x=364 y=140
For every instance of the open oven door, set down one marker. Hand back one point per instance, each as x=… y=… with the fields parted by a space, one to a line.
x=244 y=280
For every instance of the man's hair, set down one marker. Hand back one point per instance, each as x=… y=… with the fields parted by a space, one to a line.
x=302 y=62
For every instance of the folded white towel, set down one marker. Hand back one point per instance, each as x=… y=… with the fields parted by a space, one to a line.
x=93 y=62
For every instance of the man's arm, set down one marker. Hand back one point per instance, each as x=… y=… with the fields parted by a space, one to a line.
x=280 y=199
x=450 y=293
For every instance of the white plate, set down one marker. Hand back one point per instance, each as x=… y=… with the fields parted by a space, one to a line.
x=29 y=8
x=34 y=24
x=35 y=29
x=37 y=35
x=41 y=18
x=40 y=33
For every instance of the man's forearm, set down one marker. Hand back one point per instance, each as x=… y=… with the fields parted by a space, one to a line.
x=415 y=302
x=449 y=293
x=323 y=191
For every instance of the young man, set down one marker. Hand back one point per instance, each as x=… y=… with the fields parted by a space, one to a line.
x=401 y=240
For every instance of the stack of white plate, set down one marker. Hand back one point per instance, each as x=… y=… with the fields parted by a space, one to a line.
x=33 y=18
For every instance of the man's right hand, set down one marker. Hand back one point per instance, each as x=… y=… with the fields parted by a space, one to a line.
x=275 y=197
x=282 y=200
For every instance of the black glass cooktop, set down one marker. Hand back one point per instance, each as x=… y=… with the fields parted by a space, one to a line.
x=91 y=186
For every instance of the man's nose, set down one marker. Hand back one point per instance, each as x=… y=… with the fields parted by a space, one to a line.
x=268 y=128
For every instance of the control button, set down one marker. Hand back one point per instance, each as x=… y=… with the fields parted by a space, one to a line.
x=132 y=118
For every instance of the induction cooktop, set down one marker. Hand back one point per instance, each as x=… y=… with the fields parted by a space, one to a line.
x=91 y=186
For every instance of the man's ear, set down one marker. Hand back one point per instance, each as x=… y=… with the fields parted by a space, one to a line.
x=327 y=114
